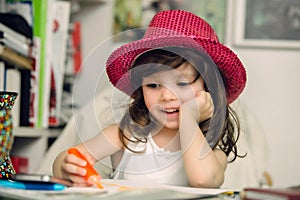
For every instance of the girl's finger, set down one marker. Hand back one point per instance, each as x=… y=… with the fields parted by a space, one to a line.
x=75 y=160
x=74 y=169
x=79 y=181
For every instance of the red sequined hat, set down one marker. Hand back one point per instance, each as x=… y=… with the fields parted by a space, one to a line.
x=182 y=29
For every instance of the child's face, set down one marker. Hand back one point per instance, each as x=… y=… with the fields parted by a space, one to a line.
x=165 y=91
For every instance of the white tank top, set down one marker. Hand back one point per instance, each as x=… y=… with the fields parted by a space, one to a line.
x=155 y=164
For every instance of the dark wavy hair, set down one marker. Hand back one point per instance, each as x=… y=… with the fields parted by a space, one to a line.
x=137 y=120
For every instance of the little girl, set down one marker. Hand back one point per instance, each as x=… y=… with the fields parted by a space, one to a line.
x=178 y=128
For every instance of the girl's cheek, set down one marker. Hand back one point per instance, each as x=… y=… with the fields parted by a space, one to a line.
x=187 y=95
x=192 y=92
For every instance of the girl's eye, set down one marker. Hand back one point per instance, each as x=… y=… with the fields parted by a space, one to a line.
x=153 y=85
x=183 y=84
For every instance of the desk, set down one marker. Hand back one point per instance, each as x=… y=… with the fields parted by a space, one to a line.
x=114 y=190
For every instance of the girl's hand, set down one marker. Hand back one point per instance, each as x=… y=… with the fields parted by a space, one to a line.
x=200 y=108
x=73 y=169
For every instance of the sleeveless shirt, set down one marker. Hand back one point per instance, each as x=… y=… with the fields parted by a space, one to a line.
x=155 y=164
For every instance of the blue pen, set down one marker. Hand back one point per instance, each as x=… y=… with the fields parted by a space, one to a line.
x=31 y=185
x=12 y=184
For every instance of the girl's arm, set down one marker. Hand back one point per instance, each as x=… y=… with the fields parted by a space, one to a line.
x=204 y=167
x=71 y=168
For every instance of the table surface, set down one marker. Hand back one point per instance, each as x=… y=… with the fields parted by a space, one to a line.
x=121 y=189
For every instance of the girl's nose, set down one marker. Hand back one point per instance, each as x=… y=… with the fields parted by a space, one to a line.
x=167 y=94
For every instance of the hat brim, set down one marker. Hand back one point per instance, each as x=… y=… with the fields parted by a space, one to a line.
x=231 y=68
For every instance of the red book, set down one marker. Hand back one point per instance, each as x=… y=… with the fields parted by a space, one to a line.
x=292 y=193
x=20 y=164
x=76 y=37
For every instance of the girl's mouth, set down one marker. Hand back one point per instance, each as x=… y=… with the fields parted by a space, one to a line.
x=170 y=111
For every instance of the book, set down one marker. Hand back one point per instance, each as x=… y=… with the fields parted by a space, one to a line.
x=15 y=31
x=34 y=85
x=17 y=22
x=271 y=193
x=20 y=164
x=22 y=8
x=13 y=84
x=18 y=46
x=2 y=76
x=14 y=35
x=24 y=97
x=43 y=24
x=76 y=37
x=74 y=57
x=61 y=11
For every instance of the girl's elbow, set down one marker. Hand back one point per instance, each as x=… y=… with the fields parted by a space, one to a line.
x=207 y=181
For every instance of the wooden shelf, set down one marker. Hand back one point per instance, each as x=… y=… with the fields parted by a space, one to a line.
x=88 y=1
x=28 y=132
x=14 y=58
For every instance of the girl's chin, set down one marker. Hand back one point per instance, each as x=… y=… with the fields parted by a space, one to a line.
x=171 y=125
x=170 y=121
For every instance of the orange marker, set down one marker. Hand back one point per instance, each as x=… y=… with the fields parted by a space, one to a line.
x=91 y=174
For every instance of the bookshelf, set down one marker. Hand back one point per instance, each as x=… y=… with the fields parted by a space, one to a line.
x=20 y=52
x=33 y=142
